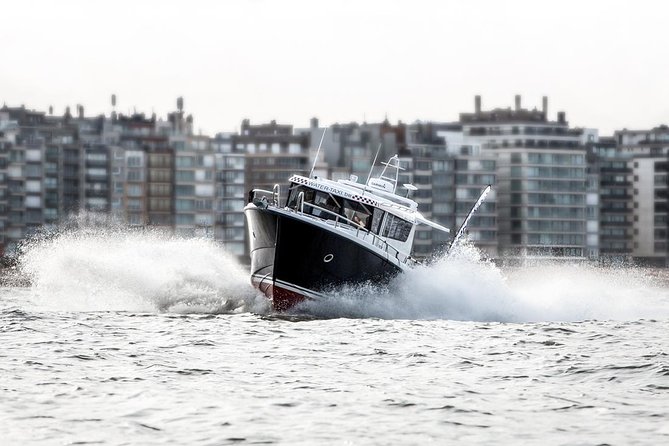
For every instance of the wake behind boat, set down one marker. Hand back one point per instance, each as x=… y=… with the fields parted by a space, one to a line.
x=329 y=233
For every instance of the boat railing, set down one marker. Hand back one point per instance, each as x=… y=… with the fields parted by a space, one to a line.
x=300 y=202
x=276 y=192
x=263 y=193
x=360 y=231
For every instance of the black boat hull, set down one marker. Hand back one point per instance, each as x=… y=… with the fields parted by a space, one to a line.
x=292 y=258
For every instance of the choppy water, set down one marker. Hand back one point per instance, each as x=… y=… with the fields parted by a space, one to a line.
x=142 y=339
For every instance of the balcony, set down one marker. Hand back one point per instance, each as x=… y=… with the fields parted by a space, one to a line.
x=605 y=238
x=615 y=224
x=96 y=178
x=610 y=170
x=625 y=197
x=610 y=210
x=616 y=183
x=99 y=193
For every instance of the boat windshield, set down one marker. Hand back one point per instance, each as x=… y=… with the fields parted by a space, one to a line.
x=330 y=206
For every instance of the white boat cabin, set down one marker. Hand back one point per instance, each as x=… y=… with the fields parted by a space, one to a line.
x=373 y=208
x=346 y=203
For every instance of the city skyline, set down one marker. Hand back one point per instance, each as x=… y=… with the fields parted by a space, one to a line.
x=340 y=62
x=562 y=191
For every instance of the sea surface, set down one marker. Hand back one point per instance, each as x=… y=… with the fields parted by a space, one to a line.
x=126 y=338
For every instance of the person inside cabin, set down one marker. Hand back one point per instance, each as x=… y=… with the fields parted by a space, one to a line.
x=331 y=204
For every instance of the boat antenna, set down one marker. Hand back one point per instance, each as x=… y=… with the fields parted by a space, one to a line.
x=318 y=152
x=373 y=163
x=371 y=169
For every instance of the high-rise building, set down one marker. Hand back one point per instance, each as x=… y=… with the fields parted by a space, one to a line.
x=194 y=177
x=611 y=170
x=648 y=152
x=230 y=195
x=36 y=158
x=541 y=181
x=273 y=154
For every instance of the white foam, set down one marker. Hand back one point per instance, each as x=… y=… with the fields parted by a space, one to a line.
x=462 y=286
x=100 y=267
x=104 y=268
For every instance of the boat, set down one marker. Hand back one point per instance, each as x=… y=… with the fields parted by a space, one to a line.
x=327 y=233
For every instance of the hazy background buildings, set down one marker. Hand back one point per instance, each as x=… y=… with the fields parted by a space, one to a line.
x=559 y=192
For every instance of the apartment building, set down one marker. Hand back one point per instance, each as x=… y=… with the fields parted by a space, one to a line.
x=194 y=177
x=542 y=192
x=611 y=169
x=273 y=154
x=648 y=162
x=231 y=195
x=34 y=194
x=9 y=130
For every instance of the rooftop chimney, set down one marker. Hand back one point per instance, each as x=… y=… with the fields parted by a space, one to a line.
x=477 y=104
x=314 y=123
x=561 y=117
x=113 y=100
x=517 y=102
x=180 y=103
x=544 y=106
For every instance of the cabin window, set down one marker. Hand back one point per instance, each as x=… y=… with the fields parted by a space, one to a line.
x=294 y=191
x=358 y=213
x=326 y=201
x=397 y=228
x=377 y=218
x=363 y=216
x=323 y=200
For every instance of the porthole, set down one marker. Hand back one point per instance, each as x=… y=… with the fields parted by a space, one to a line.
x=328 y=258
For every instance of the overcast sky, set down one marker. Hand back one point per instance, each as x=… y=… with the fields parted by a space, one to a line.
x=606 y=63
